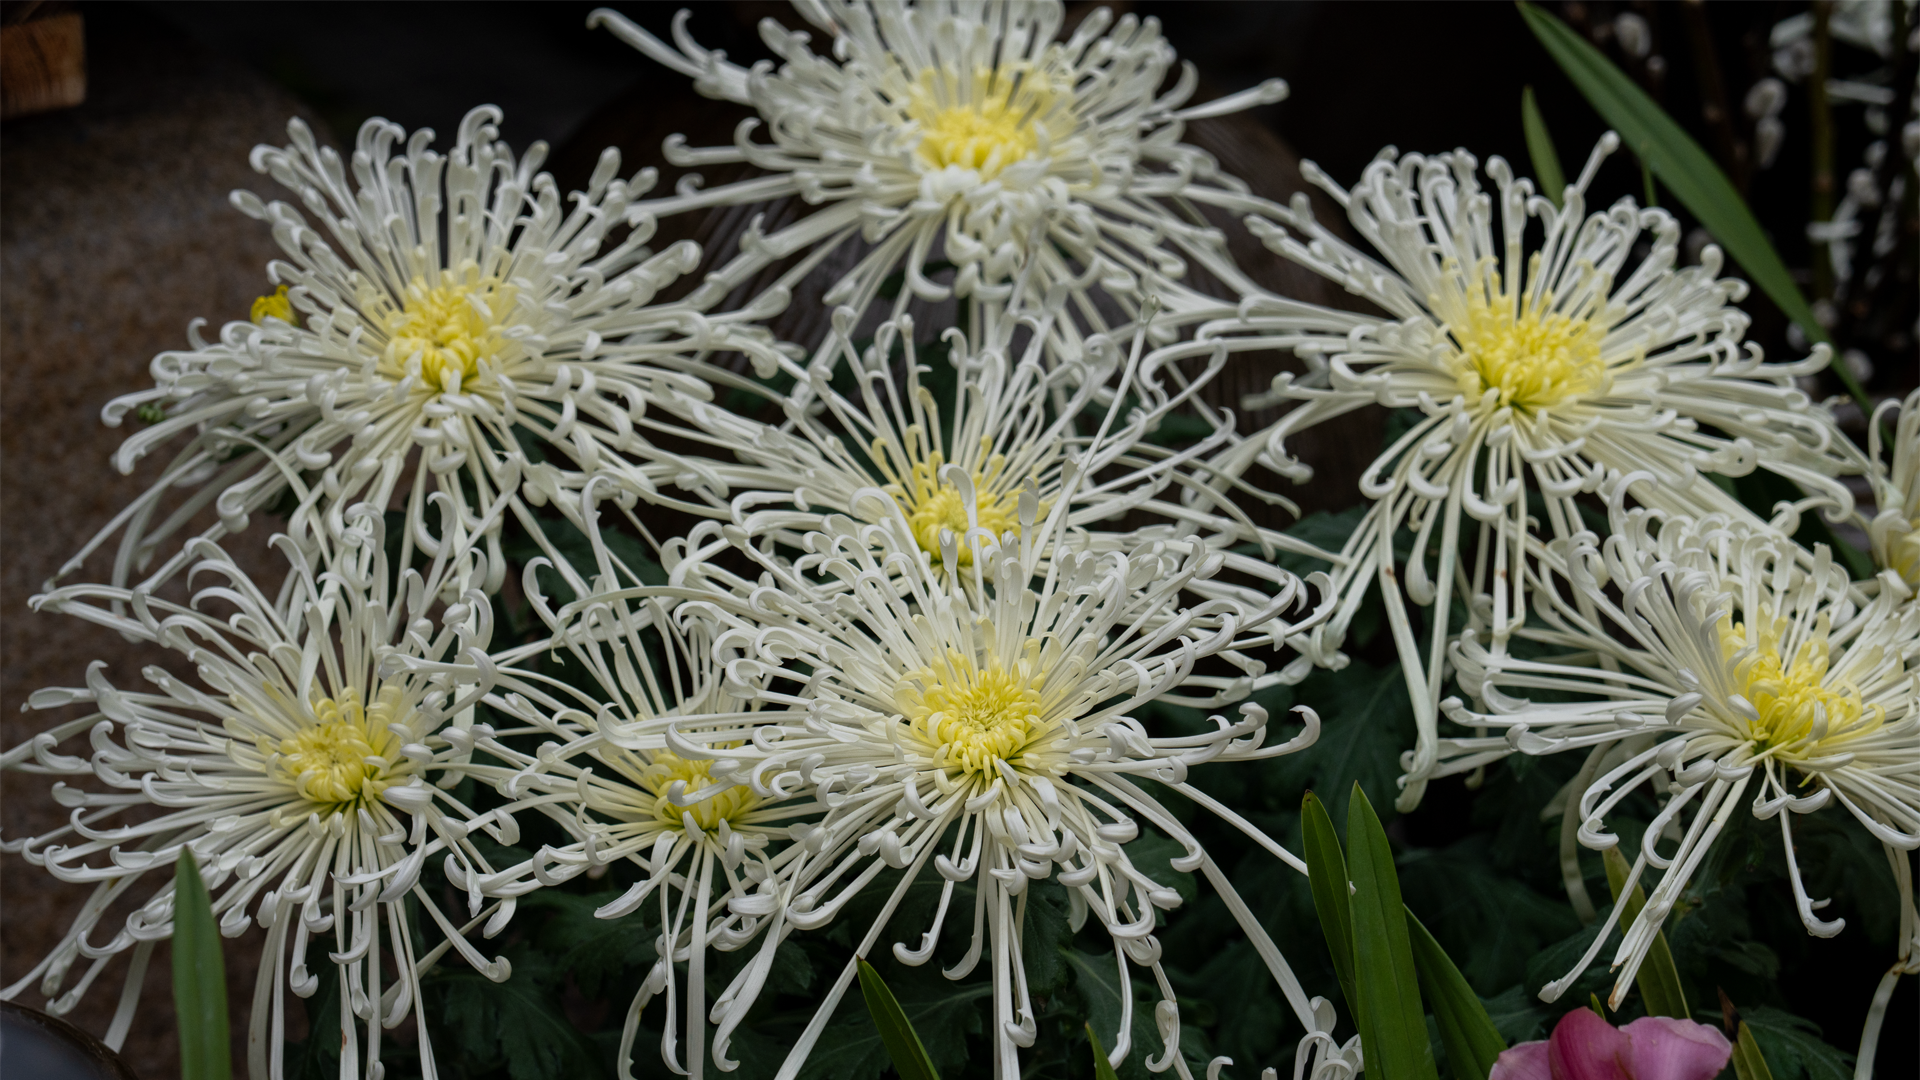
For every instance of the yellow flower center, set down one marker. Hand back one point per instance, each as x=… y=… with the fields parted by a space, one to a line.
x=932 y=504
x=1791 y=697
x=273 y=304
x=452 y=326
x=667 y=767
x=1535 y=360
x=984 y=123
x=344 y=757
x=974 y=716
x=1903 y=554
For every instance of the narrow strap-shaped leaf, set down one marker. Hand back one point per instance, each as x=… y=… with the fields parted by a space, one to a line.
x=1393 y=1027
x=1659 y=979
x=199 y=978
x=1472 y=1042
x=1686 y=170
x=1327 y=876
x=1546 y=160
x=903 y=1043
x=1748 y=1063
x=1102 y=1068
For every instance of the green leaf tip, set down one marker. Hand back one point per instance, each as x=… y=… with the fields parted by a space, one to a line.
x=909 y=1054
x=1546 y=160
x=1393 y=1026
x=1102 y=1068
x=1472 y=1042
x=1687 y=171
x=199 y=977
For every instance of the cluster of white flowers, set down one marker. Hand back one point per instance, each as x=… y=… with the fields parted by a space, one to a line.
x=924 y=588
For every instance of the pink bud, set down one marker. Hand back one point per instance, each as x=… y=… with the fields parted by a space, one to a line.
x=1586 y=1047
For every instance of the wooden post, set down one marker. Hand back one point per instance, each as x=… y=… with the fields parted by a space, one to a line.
x=43 y=65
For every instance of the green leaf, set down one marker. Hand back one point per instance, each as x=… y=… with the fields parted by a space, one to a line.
x=1327 y=874
x=1546 y=160
x=1748 y=1062
x=1393 y=1027
x=199 y=977
x=1467 y=1032
x=941 y=1013
x=1097 y=977
x=1686 y=170
x=1102 y=1068
x=1366 y=721
x=520 y=1022
x=903 y=1043
x=1488 y=917
x=1793 y=1047
x=1659 y=980
x=1518 y=1015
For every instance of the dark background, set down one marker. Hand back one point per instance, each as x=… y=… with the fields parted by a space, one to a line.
x=116 y=231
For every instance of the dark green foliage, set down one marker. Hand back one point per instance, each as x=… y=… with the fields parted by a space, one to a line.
x=1794 y=1048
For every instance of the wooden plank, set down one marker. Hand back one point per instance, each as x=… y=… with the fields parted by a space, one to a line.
x=43 y=65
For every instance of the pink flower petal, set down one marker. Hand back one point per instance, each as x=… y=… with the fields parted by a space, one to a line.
x=1585 y=1047
x=1663 y=1048
x=1523 y=1061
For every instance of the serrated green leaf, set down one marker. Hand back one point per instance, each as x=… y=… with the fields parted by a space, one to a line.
x=903 y=1043
x=1102 y=1068
x=1486 y=916
x=1686 y=170
x=942 y=1014
x=1748 y=1062
x=1393 y=1026
x=1097 y=977
x=199 y=977
x=519 y=1022
x=1366 y=721
x=1659 y=979
x=1546 y=160
x=1793 y=1047
x=1327 y=875
x=1518 y=1015
x=1467 y=1032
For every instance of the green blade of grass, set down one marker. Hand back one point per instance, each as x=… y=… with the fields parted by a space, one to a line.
x=1472 y=1042
x=1546 y=160
x=1688 y=172
x=1327 y=877
x=1659 y=979
x=199 y=978
x=1748 y=1063
x=1102 y=1068
x=1393 y=1026
x=903 y=1043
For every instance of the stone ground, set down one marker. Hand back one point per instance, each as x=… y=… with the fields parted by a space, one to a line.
x=114 y=231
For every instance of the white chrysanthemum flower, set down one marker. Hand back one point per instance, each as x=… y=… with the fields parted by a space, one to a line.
x=983 y=727
x=1714 y=660
x=1894 y=531
x=965 y=131
x=1536 y=373
x=447 y=306
x=701 y=835
x=295 y=771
